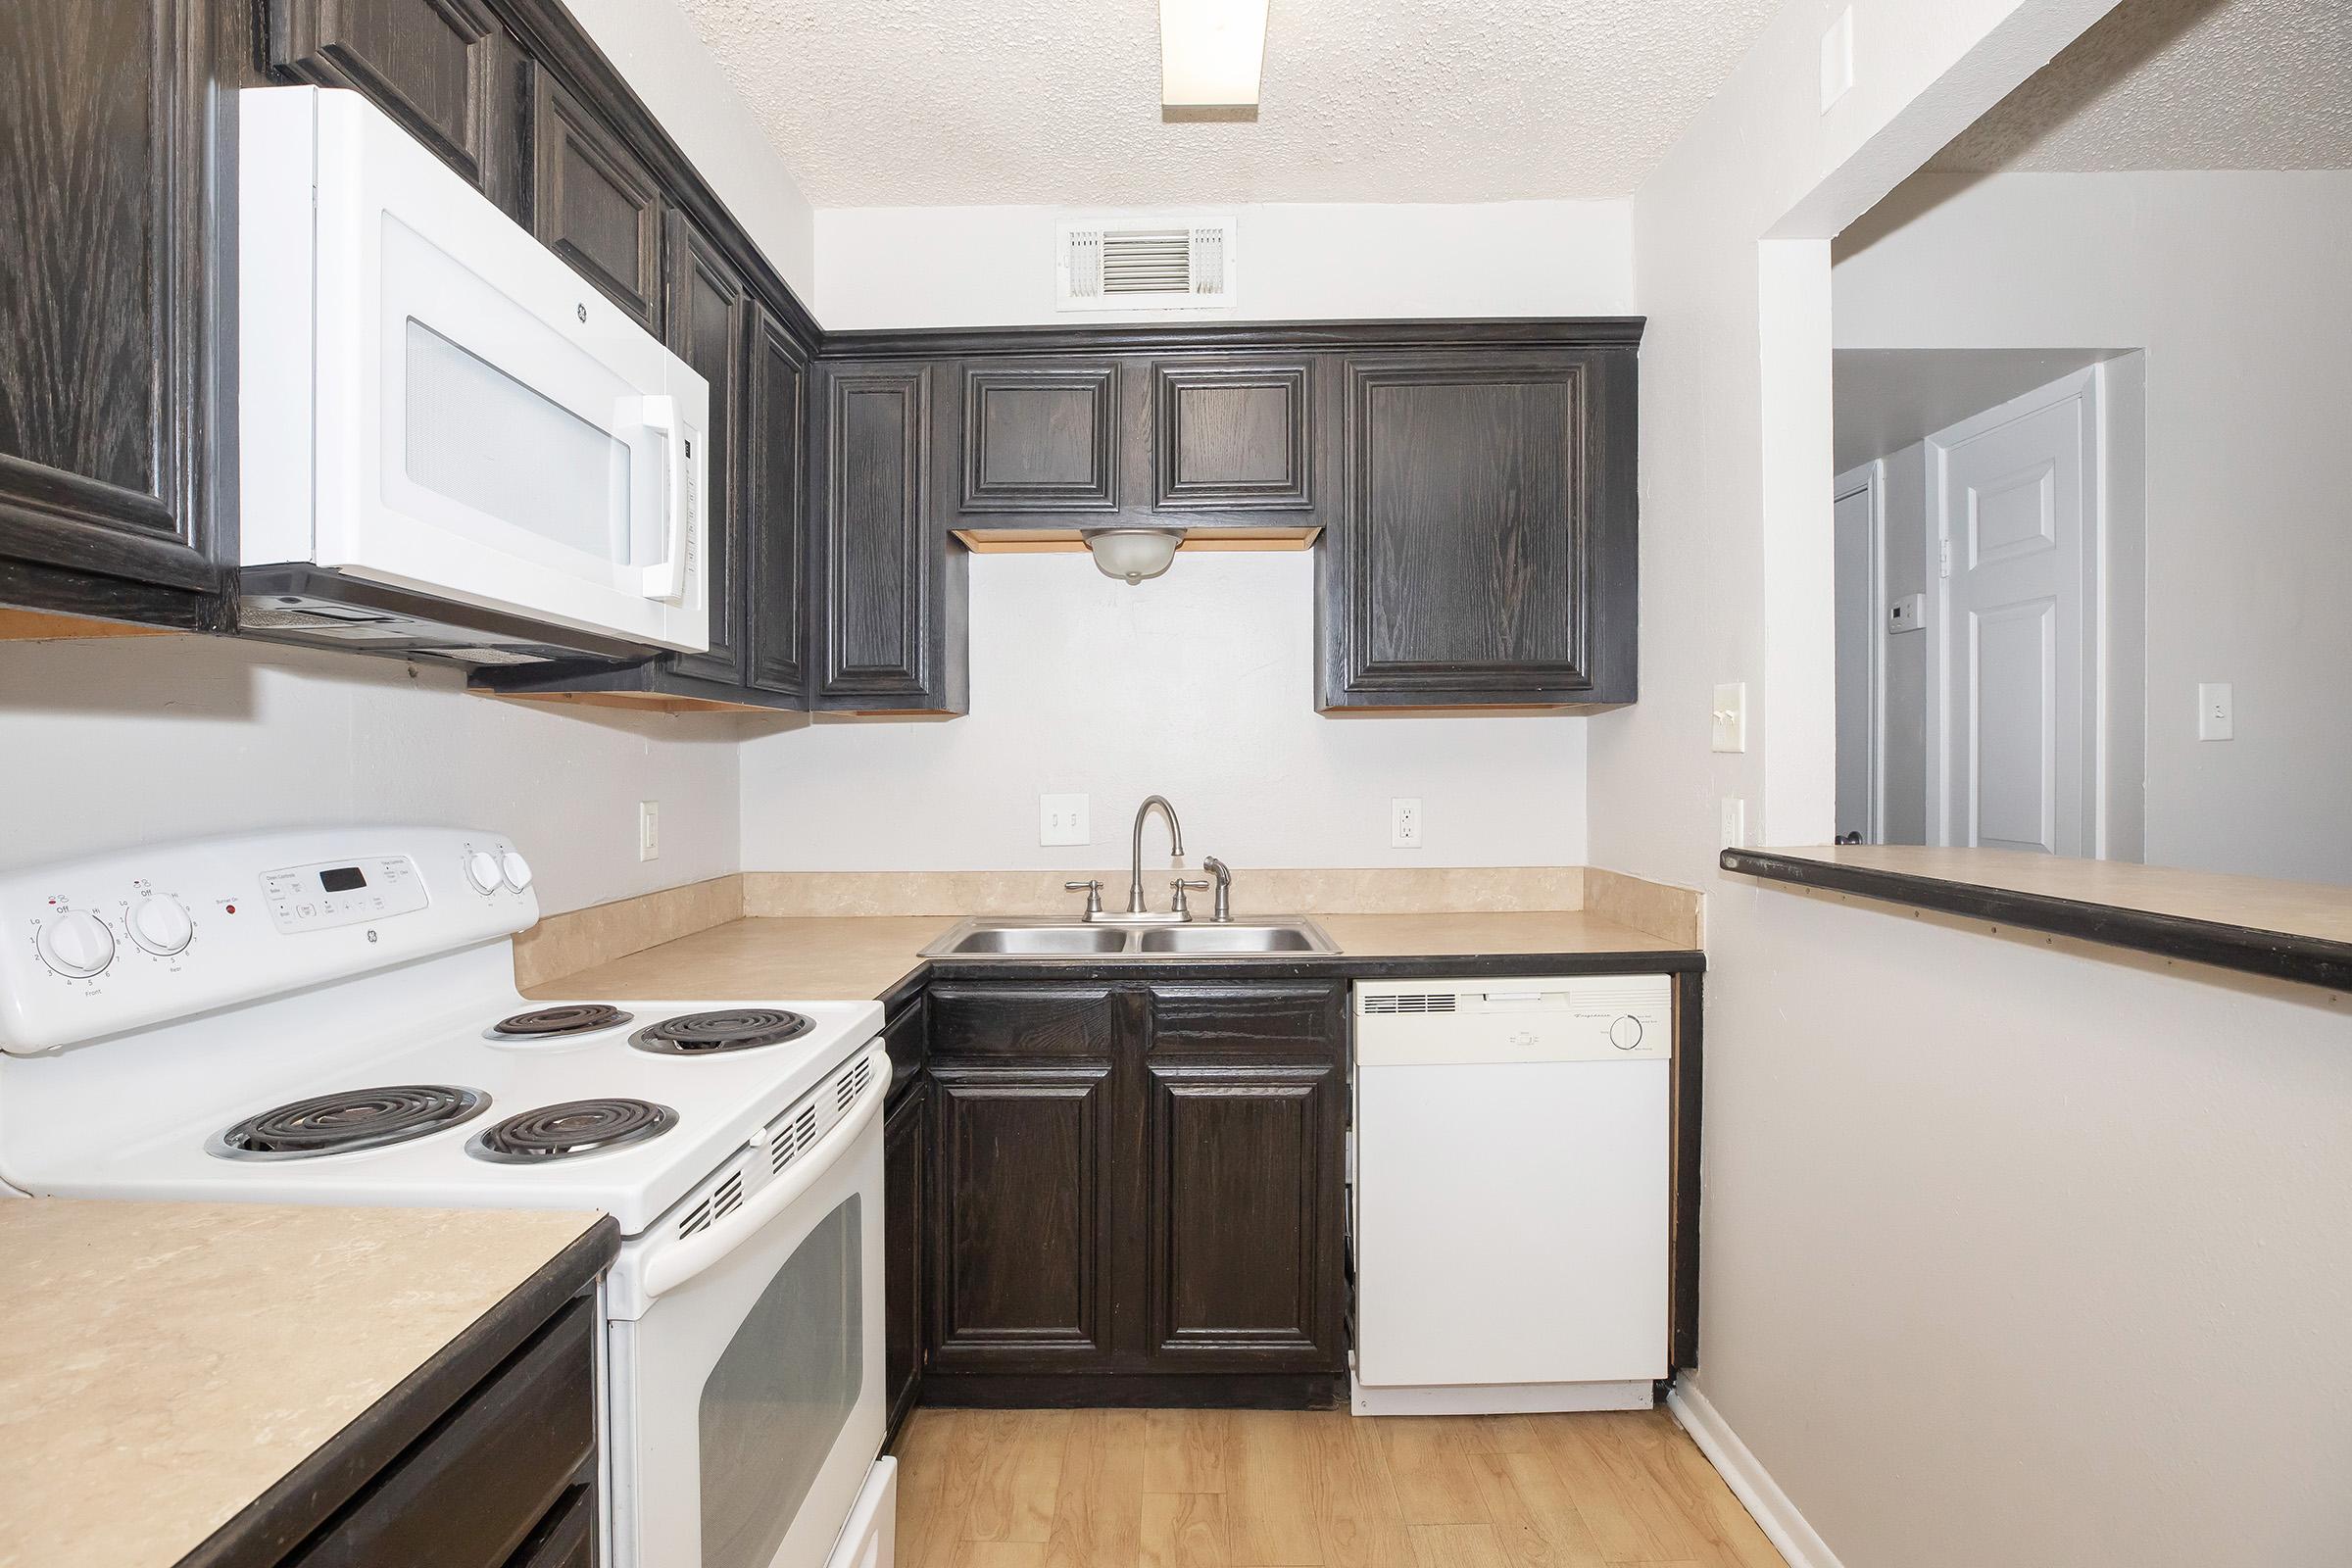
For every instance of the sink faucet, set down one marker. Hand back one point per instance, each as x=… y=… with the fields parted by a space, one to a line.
x=1135 y=857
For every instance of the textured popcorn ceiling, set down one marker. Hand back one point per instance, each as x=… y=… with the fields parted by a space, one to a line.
x=944 y=102
x=2180 y=84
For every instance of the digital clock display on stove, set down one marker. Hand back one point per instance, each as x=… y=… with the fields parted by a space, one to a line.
x=341 y=879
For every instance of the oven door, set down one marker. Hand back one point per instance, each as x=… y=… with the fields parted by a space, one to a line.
x=746 y=1403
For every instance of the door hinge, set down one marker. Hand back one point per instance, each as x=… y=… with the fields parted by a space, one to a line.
x=1943 y=558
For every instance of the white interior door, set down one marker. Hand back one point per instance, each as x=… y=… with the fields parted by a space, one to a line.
x=2018 y=678
x=1859 y=596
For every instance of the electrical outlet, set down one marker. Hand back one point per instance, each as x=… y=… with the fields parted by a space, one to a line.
x=1730 y=715
x=1734 y=822
x=649 y=831
x=2214 y=721
x=1404 y=822
x=1064 y=819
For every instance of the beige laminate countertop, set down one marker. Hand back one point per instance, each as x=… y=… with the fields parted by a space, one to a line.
x=162 y=1365
x=860 y=957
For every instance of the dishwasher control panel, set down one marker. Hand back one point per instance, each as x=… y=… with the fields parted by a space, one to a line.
x=1515 y=1019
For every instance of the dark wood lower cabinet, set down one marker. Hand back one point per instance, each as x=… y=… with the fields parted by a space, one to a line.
x=904 y=1147
x=514 y=1453
x=485 y=1458
x=1137 y=1194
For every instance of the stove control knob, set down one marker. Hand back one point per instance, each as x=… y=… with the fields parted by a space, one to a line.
x=481 y=870
x=516 y=869
x=160 y=924
x=1626 y=1033
x=76 y=943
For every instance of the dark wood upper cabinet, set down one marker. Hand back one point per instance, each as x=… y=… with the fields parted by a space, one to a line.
x=112 y=397
x=594 y=202
x=888 y=601
x=444 y=69
x=710 y=314
x=1485 y=556
x=1040 y=439
x=1232 y=437
x=776 y=530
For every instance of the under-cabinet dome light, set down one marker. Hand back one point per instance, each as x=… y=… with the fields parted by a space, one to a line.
x=1133 y=554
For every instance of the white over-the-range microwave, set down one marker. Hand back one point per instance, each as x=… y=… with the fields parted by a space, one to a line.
x=450 y=444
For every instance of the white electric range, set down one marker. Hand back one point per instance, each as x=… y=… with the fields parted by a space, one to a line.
x=330 y=1016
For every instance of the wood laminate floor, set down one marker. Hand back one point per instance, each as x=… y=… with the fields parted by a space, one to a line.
x=1312 y=1489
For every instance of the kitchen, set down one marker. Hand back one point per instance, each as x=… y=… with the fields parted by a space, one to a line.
x=1109 y=1174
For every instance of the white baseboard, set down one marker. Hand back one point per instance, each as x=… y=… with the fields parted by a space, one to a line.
x=1749 y=1482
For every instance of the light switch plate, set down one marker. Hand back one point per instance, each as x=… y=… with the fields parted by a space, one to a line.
x=1404 y=822
x=1730 y=717
x=1838 y=59
x=1064 y=819
x=2214 y=719
x=649 y=831
x=1734 y=822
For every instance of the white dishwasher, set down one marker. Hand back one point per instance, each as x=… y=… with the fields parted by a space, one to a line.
x=1511 y=1192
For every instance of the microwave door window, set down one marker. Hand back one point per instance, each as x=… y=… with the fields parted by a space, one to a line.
x=480 y=437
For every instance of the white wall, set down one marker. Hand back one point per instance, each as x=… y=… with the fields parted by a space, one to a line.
x=137 y=740
x=885 y=267
x=653 y=45
x=2234 y=284
x=1198 y=685
x=2012 y=1253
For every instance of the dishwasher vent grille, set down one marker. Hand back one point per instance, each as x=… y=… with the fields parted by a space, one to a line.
x=1411 y=1001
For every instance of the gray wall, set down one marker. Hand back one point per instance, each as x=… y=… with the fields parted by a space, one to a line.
x=2235 y=285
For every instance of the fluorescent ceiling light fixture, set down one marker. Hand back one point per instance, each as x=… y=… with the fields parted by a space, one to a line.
x=1210 y=53
x=1133 y=554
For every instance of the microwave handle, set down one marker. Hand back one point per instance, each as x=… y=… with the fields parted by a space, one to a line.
x=680 y=1261
x=667 y=582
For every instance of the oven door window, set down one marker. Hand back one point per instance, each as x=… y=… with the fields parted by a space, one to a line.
x=783 y=1390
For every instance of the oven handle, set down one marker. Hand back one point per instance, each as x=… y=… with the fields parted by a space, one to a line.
x=680 y=1261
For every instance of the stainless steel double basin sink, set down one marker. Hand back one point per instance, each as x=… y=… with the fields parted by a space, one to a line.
x=995 y=938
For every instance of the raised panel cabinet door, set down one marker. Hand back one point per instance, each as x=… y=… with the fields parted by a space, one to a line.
x=594 y=202
x=1020 y=1257
x=775 y=525
x=710 y=316
x=890 y=593
x=1232 y=437
x=902 y=1165
x=1039 y=438
x=444 y=69
x=1485 y=554
x=106 y=368
x=1243 y=1222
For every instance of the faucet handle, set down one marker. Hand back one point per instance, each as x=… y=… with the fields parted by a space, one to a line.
x=1093 y=888
x=1178 y=885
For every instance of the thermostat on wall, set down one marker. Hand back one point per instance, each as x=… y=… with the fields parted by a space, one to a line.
x=1907 y=613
